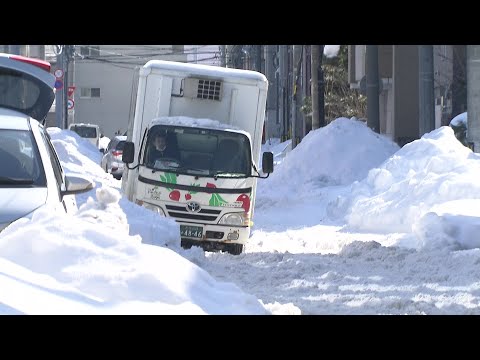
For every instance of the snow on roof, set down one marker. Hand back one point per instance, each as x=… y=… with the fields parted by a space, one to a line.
x=194 y=122
x=206 y=70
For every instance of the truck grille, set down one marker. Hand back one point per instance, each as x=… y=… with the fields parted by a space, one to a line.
x=205 y=215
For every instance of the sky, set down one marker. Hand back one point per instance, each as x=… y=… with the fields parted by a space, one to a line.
x=348 y=223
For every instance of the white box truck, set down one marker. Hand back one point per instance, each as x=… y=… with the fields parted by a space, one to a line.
x=203 y=171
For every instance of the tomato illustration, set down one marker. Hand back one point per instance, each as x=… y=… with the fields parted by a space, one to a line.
x=245 y=202
x=174 y=195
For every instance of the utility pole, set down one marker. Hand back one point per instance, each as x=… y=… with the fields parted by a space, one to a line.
x=223 y=55
x=321 y=87
x=272 y=97
x=473 y=97
x=314 y=57
x=459 y=83
x=306 y=87
x=297 y=50
x=373 y=106
x=427 y=98
x=229 y=55
x=69 y=76
x=66 y=58
x=258 y=58
x=283 y=99
x=72 y=80
x=59 y=97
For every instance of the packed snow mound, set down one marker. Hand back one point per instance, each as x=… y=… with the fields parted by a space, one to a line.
x=105 y=210
x=86 y=268
x=427 y=172
x=68 y=143
x=109 y=207
x=453 y=225
x=337 y=154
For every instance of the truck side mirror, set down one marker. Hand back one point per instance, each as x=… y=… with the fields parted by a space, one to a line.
x=128 y=152
x=267 y=162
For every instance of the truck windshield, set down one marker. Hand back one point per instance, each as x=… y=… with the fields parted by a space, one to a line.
x=198 y=151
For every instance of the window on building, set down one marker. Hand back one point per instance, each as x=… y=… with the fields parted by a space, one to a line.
x=90 y=92
x=90 y=50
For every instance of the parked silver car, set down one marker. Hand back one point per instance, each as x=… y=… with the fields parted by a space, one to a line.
x=31 y=175
x=112 y=157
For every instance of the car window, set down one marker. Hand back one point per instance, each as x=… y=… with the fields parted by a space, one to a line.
x=20 y=159
x=120 y=145
x=85 y=131
x=111 y=145
x=25 y=93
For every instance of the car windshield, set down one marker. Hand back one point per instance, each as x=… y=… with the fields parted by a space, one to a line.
x=20 y=159
x=197 y=151
x=120 y=145
x=85 y=131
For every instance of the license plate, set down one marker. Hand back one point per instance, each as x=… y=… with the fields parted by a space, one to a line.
x=191 y=231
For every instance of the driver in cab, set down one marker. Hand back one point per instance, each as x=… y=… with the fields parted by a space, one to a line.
x=162 y=150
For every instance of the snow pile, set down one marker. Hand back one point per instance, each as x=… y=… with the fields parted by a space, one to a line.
x=338 y=154
x=428 y=172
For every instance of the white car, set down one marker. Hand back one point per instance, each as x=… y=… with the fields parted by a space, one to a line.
x=91 y=132
x=31 y=175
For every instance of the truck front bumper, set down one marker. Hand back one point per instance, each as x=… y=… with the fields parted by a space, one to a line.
x=215 y=233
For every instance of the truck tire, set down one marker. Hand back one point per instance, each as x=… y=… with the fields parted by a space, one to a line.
x=235 y=249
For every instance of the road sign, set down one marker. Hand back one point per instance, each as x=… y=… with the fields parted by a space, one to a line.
x=58 y=84
x=58 y=73
x=70 y=104
x=71 y=90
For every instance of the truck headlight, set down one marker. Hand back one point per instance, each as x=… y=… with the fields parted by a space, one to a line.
x=152 y=207
x=235 y=219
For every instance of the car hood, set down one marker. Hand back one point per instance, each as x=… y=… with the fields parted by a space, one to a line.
x=15 y=203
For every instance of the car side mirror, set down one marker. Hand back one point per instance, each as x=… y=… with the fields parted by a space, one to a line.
x=128 y=152
x=267 y=162
x=76 y=185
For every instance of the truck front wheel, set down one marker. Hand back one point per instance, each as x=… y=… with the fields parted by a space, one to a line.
x=235 y=249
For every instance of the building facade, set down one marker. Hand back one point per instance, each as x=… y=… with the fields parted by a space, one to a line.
x=104 y=82
x=398 y=67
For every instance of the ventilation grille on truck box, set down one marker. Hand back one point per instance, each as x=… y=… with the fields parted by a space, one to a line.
x=209 y=89
x=206 y=89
